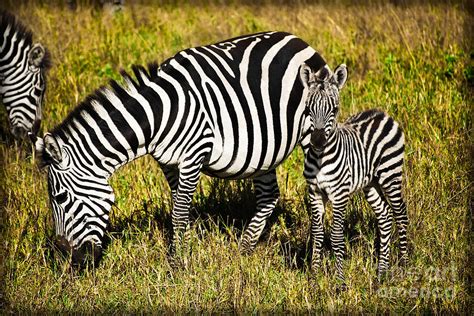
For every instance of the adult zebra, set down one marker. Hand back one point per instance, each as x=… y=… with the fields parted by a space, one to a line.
x=235 y=109
x=23 y=67
x=366 y=152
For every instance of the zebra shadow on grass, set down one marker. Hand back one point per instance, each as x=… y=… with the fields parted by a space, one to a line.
x=218 y=205
x=225 y=205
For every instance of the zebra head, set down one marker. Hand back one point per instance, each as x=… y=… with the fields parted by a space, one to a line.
x=22 y=92
x=23 y=67
x=80 y=198
x=322 y=100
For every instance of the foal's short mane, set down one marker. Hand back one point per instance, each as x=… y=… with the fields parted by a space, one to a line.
x=99 y=95
x=8 y=19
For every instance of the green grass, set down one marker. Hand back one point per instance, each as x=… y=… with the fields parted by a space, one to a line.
x=415 y=62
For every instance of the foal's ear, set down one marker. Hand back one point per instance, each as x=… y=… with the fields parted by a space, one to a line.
x=306 y=75
x=46 y=149
x=340 y=75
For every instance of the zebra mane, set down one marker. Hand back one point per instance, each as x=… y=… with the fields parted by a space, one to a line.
x=100 y=95
x=7 y=19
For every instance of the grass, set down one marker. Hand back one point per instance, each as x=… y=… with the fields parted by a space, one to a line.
x=414 y=61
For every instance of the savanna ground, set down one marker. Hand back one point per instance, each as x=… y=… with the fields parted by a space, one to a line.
x=414 y=61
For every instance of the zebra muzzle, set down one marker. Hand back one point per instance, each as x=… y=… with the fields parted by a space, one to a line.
x=88 y=253
x=318 y=139
x=19 y=132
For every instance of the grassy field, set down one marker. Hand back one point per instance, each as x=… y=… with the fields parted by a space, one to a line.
x=414 y=62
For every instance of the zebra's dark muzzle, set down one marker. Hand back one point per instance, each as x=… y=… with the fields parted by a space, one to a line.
x=318 y=139
x=88 y=253
x=19 y=132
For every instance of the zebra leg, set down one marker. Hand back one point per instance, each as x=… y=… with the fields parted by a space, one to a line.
x=337 y=234
x=393 y=192
x=267 y=193
x=384 y=219
x=188 y=178
x=317 y=202
x=172 y=176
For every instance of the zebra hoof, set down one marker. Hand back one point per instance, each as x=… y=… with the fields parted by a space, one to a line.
x=382 y=276
x=340 y=288
x=175 y=261
x=315 y=269
x=403 y=261
x=246 y=248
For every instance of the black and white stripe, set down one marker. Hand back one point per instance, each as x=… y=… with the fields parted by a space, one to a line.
x=22 y=75
x=365 y=152
x=235 y=109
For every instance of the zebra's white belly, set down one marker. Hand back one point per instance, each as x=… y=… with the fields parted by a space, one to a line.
x=237 y=169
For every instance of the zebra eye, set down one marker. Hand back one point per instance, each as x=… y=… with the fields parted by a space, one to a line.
x=61 y=197
x=37 y=92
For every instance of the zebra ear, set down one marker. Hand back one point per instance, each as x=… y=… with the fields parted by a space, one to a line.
x=340 y=75
x=36 y=55
x=306 y=75
x=51 y=148
x=46 y=149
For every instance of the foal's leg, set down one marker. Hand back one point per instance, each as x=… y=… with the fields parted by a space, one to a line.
x=374 y=196
x=337 y=232
x=317 y=202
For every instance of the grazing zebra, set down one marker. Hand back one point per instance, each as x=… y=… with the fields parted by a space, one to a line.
x=23 y=67
x=234 y=109
x=365 y=152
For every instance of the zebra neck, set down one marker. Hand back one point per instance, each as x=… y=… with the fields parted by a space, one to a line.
x=119 y=124
x=10 y=46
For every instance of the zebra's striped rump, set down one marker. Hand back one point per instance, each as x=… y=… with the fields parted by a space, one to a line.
x=364 y=153
x=23 y=67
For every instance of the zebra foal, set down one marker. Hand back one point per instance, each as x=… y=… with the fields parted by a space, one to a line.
x=23 y=67
x=366 y=152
